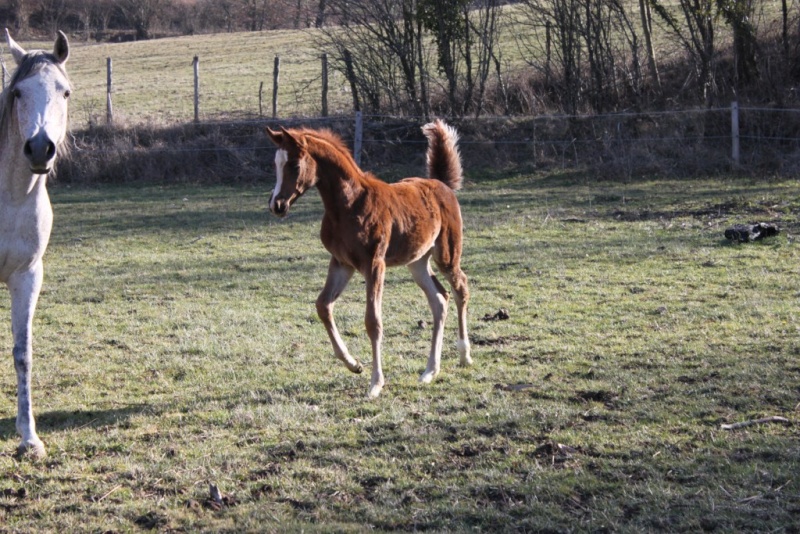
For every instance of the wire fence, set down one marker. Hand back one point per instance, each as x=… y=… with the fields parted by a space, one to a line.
x=615 y=145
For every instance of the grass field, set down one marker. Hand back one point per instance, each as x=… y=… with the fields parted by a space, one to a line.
x=153 y=81
x=177 y=346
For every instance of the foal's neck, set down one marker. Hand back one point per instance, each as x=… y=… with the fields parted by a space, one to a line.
x=339 y=180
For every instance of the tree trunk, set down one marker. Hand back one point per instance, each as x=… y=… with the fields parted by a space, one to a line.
x=647 y=29
x=320 y=21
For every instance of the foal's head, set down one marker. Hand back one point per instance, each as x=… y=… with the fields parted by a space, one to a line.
x=296 y=170
x=37 y=97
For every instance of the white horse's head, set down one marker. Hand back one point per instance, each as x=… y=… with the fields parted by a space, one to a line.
x=39 y=93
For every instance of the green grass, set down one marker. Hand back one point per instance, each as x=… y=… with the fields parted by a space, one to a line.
x=177 y=346
x=153 y=81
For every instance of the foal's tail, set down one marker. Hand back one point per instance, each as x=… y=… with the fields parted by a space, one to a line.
x=444 y=161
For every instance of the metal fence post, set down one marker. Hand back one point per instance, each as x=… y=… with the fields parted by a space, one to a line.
x=735 y=132
x=196 y=64
x=276 y=72
x=109 y=107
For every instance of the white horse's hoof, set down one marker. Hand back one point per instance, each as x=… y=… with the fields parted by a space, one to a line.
x=375 y=391
x=428 y=376
x=32 y=448
x=465 y=360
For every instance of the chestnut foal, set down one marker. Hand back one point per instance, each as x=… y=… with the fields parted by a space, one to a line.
x=370 y=225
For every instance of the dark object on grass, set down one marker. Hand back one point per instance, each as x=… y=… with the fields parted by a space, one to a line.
x=501 y=315
x=743 y=233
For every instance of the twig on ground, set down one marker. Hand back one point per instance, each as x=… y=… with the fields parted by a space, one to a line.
x=109 y=492
x=772 y=419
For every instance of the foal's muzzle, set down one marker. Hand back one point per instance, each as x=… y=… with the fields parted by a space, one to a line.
x=41 y=152
x=279 y=207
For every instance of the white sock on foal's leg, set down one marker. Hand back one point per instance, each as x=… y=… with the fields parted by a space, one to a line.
x=464 y=350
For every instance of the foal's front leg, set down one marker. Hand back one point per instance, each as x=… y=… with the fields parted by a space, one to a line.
x=338 y=277
x=374 y=323
x=24 y=288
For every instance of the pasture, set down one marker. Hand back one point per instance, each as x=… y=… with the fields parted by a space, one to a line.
x=177 y=346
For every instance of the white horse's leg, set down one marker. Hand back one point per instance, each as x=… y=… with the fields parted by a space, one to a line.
x=24 y=288
x=374 y=324
x=437 y=300
x=338 y=277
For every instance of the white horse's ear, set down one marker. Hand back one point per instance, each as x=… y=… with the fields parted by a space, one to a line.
x=16 y=51
x=61 y=48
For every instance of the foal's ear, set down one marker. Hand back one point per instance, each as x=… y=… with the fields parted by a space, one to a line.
x=297 y=140
x=61 y=48
x=16 y=51
x=277 y=137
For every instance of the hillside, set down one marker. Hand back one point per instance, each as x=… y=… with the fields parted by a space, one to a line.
x=153 y=80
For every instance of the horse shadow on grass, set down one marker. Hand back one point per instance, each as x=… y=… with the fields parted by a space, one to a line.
x=62 y=420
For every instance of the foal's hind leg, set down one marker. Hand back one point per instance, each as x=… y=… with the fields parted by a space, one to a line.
x=338 y=277
x=437 y=300
x=374 y=323
x=458 y=281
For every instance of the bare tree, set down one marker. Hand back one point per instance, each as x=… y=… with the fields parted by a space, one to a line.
x=142 y=14
x=52 y=13
x=560 y=19
x=320 y=20
x=383 y=37
x=21 y=9
x=739 y=16
x=256 y=12
x=647 y=31
x=696 y=35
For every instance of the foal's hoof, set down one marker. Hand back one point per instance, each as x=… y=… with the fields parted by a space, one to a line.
x=428 y=376
x=32 y=449
x=464 y=350
x=356 y=368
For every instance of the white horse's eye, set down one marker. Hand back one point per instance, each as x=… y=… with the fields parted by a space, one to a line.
x=67 y=93
x=16 y=93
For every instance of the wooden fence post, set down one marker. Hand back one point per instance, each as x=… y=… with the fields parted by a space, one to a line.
x=735 y=132
x=261 y=99
x=109 y=107
x=358 y=138
x=276 y=72
x=196 y=65
x=324 y=85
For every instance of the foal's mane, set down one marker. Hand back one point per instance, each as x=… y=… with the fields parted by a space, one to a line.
x=32 y=62
x=326 y=136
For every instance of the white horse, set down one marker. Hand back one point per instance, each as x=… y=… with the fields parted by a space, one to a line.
x=33 y=126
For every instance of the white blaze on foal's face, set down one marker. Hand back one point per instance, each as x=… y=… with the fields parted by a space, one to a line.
x=281 y=157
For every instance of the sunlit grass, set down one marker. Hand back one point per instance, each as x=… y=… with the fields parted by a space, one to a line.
x=177 y=345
